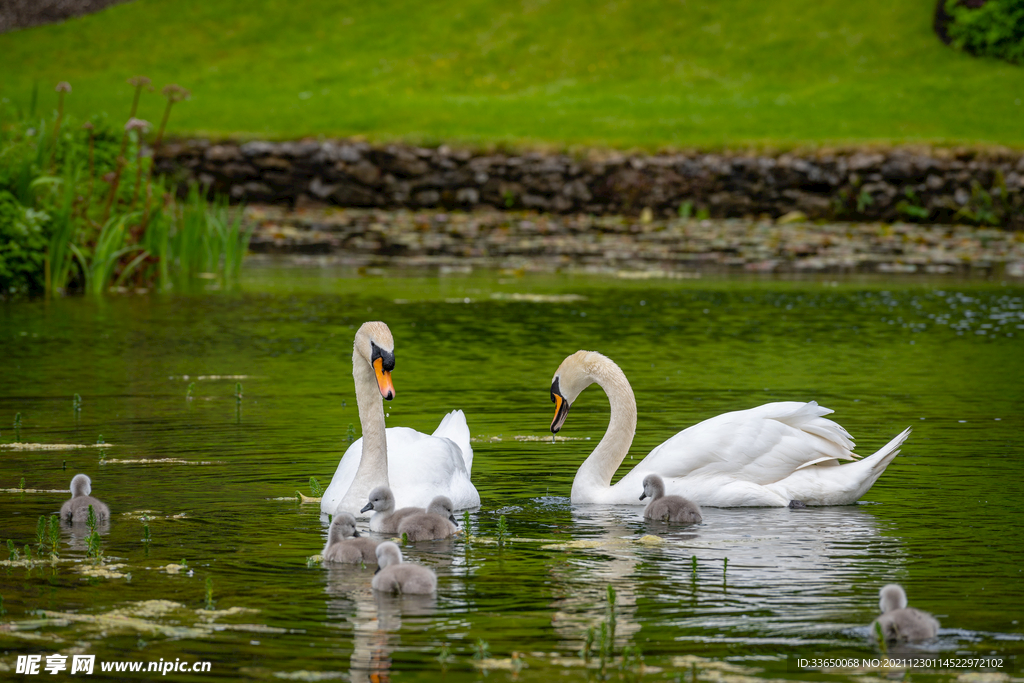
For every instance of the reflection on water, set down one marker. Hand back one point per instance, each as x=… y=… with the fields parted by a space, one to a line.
x=218 y=475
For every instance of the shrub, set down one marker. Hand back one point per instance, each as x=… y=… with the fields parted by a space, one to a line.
x=22 y=247
x=993 y=28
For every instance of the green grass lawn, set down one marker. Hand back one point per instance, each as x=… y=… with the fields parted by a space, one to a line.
x=623 y=73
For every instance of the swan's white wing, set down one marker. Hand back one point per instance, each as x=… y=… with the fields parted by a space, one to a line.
x=760 y=445
x=731 y=456
x=420 y=467
x=453 y=426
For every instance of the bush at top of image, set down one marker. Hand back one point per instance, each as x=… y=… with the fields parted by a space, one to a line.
x=991 y=28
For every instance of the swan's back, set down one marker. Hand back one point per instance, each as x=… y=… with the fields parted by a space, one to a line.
x=352 y=551
x=907 y=625
x=426 y=526
x=673 y=509
x=405 y=578
x=455 y=428
x=76 y=509
x=420 y=466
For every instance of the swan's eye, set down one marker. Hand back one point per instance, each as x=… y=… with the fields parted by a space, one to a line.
x=555 y=390
x=387 y=357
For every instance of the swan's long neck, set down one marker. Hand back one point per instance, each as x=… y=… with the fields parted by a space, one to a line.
x=373 y=463
x=595 y=474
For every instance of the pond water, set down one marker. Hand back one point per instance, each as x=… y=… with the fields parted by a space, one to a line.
x=215 y=477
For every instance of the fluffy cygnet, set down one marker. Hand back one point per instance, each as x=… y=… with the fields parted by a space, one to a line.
x=667 y=508
x=437 y=522
x=77 y=508
x=394 y=576
x=344 y=544
x=899 y=622
x=385 y=517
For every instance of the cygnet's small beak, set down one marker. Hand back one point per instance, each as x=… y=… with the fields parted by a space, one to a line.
x=643 y=495
x=387 y=389
x=368 y=506
x=377 y=570
x=355 y=533
x=452 y=518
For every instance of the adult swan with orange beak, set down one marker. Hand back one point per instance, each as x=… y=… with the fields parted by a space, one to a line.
x=417 y=466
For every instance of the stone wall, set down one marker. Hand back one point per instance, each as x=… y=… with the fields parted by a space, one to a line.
x=24 y=13
x=940 y=185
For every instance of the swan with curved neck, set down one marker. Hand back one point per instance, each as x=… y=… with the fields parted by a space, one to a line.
x=417 y=467
x=765 y=456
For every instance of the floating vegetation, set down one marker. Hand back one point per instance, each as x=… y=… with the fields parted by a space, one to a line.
x=526 y=437
x=76 y=404
x=605 y=543
x=350 y=436
x=538 y=298
x=210 y=603
x=188 y=392
x=51 y=446
x=160 y=461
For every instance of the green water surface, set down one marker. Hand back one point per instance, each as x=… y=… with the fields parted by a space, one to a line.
x=941 y=356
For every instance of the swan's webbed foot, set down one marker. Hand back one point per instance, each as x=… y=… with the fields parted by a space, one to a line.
x=797 y=505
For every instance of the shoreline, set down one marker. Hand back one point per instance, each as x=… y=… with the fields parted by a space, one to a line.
x=627 y=246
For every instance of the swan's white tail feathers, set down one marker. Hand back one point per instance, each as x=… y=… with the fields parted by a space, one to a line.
x=886 y=453
x=454 y=426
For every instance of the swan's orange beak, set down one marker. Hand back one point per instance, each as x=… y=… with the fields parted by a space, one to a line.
x=561 y=412
x=387 y=389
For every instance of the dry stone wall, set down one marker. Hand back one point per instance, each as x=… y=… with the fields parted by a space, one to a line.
x=941 y=185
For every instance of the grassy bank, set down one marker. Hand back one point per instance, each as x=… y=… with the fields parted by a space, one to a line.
x=647 y=74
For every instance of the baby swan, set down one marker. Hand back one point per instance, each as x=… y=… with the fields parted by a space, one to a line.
x=667 y=508
x=393 y=576
x=899 y=622
x=437 y=522
x=77 y=509
x=344 y=544
x=385 y=517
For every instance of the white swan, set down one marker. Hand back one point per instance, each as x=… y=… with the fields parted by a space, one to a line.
x=416 y=466
x=765 y=456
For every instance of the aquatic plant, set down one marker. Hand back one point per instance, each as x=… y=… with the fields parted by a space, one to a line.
x=502 y=530
x=17 y=428
x=76 y=403
x=686 y=210
x=405 y=538
x=444 y=657
x=146 y=536
x=188 y=392
x=60 y=233
x=351 y=435
x=210 y=603
x=54 y=531
x=12 y=552
x=41 y=534
x=481 y=650
x=693 y=566
x=3 y=610
x=315 y=487
x=465 y=522
x=21 y=484
x=880 y=635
